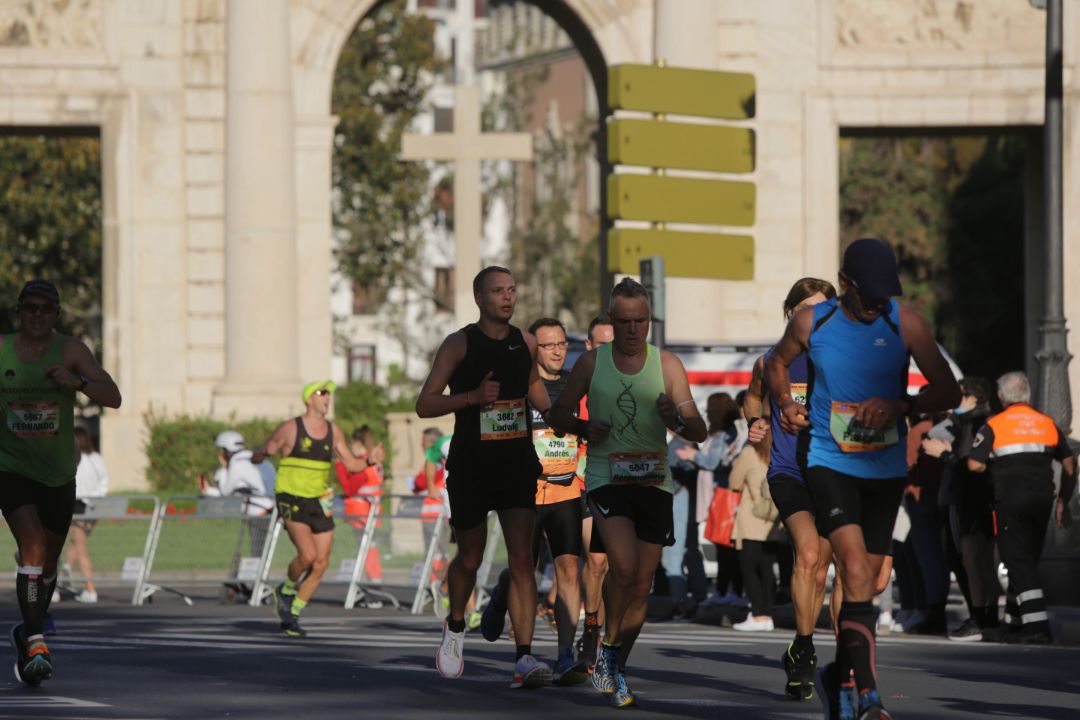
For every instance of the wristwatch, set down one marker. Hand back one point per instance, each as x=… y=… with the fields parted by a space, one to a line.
x=84 y=382
x=679 y=426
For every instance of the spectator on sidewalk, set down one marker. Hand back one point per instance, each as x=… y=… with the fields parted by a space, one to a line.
x=757 y=523
x=91 y=481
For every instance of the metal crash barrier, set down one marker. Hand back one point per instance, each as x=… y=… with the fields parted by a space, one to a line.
x=194 y=537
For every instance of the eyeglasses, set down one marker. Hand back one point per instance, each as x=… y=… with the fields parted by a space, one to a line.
x=37 y=308
x=323 y=392
x=551 y=346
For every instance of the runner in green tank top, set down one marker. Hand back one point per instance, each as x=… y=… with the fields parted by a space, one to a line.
x=636 y=395
x=304 y=497
x=40 y=371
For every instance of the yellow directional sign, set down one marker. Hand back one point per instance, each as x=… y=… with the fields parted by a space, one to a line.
x=686 y=254
x=685 y=146
x=681 y=91
x=662 y=198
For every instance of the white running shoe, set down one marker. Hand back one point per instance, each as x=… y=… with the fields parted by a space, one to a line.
x=86 y=596
x=752 y=625
x=55 y=595
x=885 y=622
x=530 y=673
x=450 y=659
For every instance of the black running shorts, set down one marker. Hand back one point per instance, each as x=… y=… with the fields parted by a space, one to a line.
x=472 y=497
x=561 y=523
x=649 y=508
x=309 y=511
x=790 y=495
x=871 y=504
x=55 y=504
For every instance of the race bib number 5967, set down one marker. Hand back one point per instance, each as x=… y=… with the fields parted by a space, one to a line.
x=29 y=419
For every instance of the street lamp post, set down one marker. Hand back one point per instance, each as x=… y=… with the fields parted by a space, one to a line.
x=1054 y=397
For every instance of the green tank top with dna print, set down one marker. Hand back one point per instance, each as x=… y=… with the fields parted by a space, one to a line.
x=635 y=452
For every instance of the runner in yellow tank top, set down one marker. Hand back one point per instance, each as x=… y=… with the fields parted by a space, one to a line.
x=637 y=394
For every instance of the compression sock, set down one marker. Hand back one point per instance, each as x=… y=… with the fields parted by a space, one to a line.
x=297 y=606
x=289 y=588
x=522 y=651
x=455 y=626
x=592 y=619
x=856 y=640
x=49 y=585
x=803 y=644
x=29 y=588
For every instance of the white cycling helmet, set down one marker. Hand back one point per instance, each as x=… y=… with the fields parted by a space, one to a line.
x=230 y=441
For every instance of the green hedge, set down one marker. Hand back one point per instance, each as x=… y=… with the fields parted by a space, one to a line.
x=182 y=446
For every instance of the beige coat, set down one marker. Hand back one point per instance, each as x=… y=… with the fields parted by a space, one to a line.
x=747 y=476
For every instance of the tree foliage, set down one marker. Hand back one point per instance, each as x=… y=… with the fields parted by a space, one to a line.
x=383 y=76
x=50 y=226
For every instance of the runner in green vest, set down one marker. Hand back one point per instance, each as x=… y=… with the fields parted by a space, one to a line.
x=40 y=371
x=304 y=496
x=637 y=393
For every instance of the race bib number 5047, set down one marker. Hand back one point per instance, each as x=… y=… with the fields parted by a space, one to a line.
x=638 y=468
x=30 y=419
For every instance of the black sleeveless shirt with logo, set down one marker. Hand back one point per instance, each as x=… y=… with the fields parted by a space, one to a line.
x=495 y=437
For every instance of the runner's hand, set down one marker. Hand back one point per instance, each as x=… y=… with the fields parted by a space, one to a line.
x=669 y=414
x=758 y=431
x=879 y=412
x=936 y=447
x=686 y=453
x=794 y=417
x=62 y=376
x=488 y=390
x=598 y=431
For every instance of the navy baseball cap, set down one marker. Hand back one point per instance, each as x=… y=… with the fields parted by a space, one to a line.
x=40 y=288
x=870 y=264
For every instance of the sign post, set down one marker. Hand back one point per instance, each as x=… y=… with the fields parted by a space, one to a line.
x=652 y=277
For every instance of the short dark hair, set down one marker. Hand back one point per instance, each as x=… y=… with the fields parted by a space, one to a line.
x=602 y=319
x=546 y=322
x=807 y=287
x=979 y=387
x=628 y=287
x=478 y=281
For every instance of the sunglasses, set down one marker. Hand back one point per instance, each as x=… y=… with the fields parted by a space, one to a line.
x=37 y=308
x=323 y=392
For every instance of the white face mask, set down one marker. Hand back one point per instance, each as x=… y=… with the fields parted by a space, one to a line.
x=961 y=410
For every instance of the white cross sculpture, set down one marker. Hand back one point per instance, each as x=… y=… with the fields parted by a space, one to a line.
x=466 y=146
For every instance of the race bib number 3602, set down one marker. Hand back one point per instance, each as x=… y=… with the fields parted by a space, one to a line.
x=504 y=420
x=852 y=436
x=33 y=419
x=638 y=468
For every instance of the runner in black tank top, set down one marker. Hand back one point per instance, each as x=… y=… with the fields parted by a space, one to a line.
x=492 y=465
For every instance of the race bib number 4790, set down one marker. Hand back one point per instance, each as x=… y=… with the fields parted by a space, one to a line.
x=30 y=419
x=504 y=420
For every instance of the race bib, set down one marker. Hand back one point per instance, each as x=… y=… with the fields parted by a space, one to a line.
x=32 y=419
x=798 y=393
x=326 y=501
x=852 y=436
x=638 y=468
x=558 y=455
x=503 y=420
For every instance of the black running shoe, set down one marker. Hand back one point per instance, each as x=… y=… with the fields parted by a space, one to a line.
x=292 y=626
x=493 y=621
x=33 y=663
x=282 y=605
x=800 y=668
x=586 y=646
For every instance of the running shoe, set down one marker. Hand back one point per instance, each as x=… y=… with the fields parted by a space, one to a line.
x=870 y=707
x=449 y=660
x=282 y=604
x=586 y=647
x=603 y=674
x=530 y=673
x=839 y=700
x=291 y=627
x=494 y=618
x=569 y=671
x=473 y=621
x=87 y=596
x=800 y=668
x=32 y=661
x=969 y=631
x=752 y=625
x=440 y=603
x=622 y=696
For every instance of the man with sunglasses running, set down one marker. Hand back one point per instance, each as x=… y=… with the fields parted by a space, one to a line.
x=40 y=371
x=304 y=497
x=858 y=347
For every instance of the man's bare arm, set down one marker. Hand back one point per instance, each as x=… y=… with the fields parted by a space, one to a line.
x=283 y=437
x=431 y=402
x=794 y=342
x=678 y=389
x=754 y=403
x=76 y=360
x=561 y=416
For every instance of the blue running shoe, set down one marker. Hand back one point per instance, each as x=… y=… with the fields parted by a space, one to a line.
x=493 y=622
x=569 y=671
x=622 y=697
x=33 y=663
x=291 y=627
x=849 y=701
x=870 y=707
x=603 y=674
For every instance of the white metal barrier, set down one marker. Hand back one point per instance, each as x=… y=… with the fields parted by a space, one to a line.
x=207 y=512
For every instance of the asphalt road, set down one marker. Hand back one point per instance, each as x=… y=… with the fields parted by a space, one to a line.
x=168 y=660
